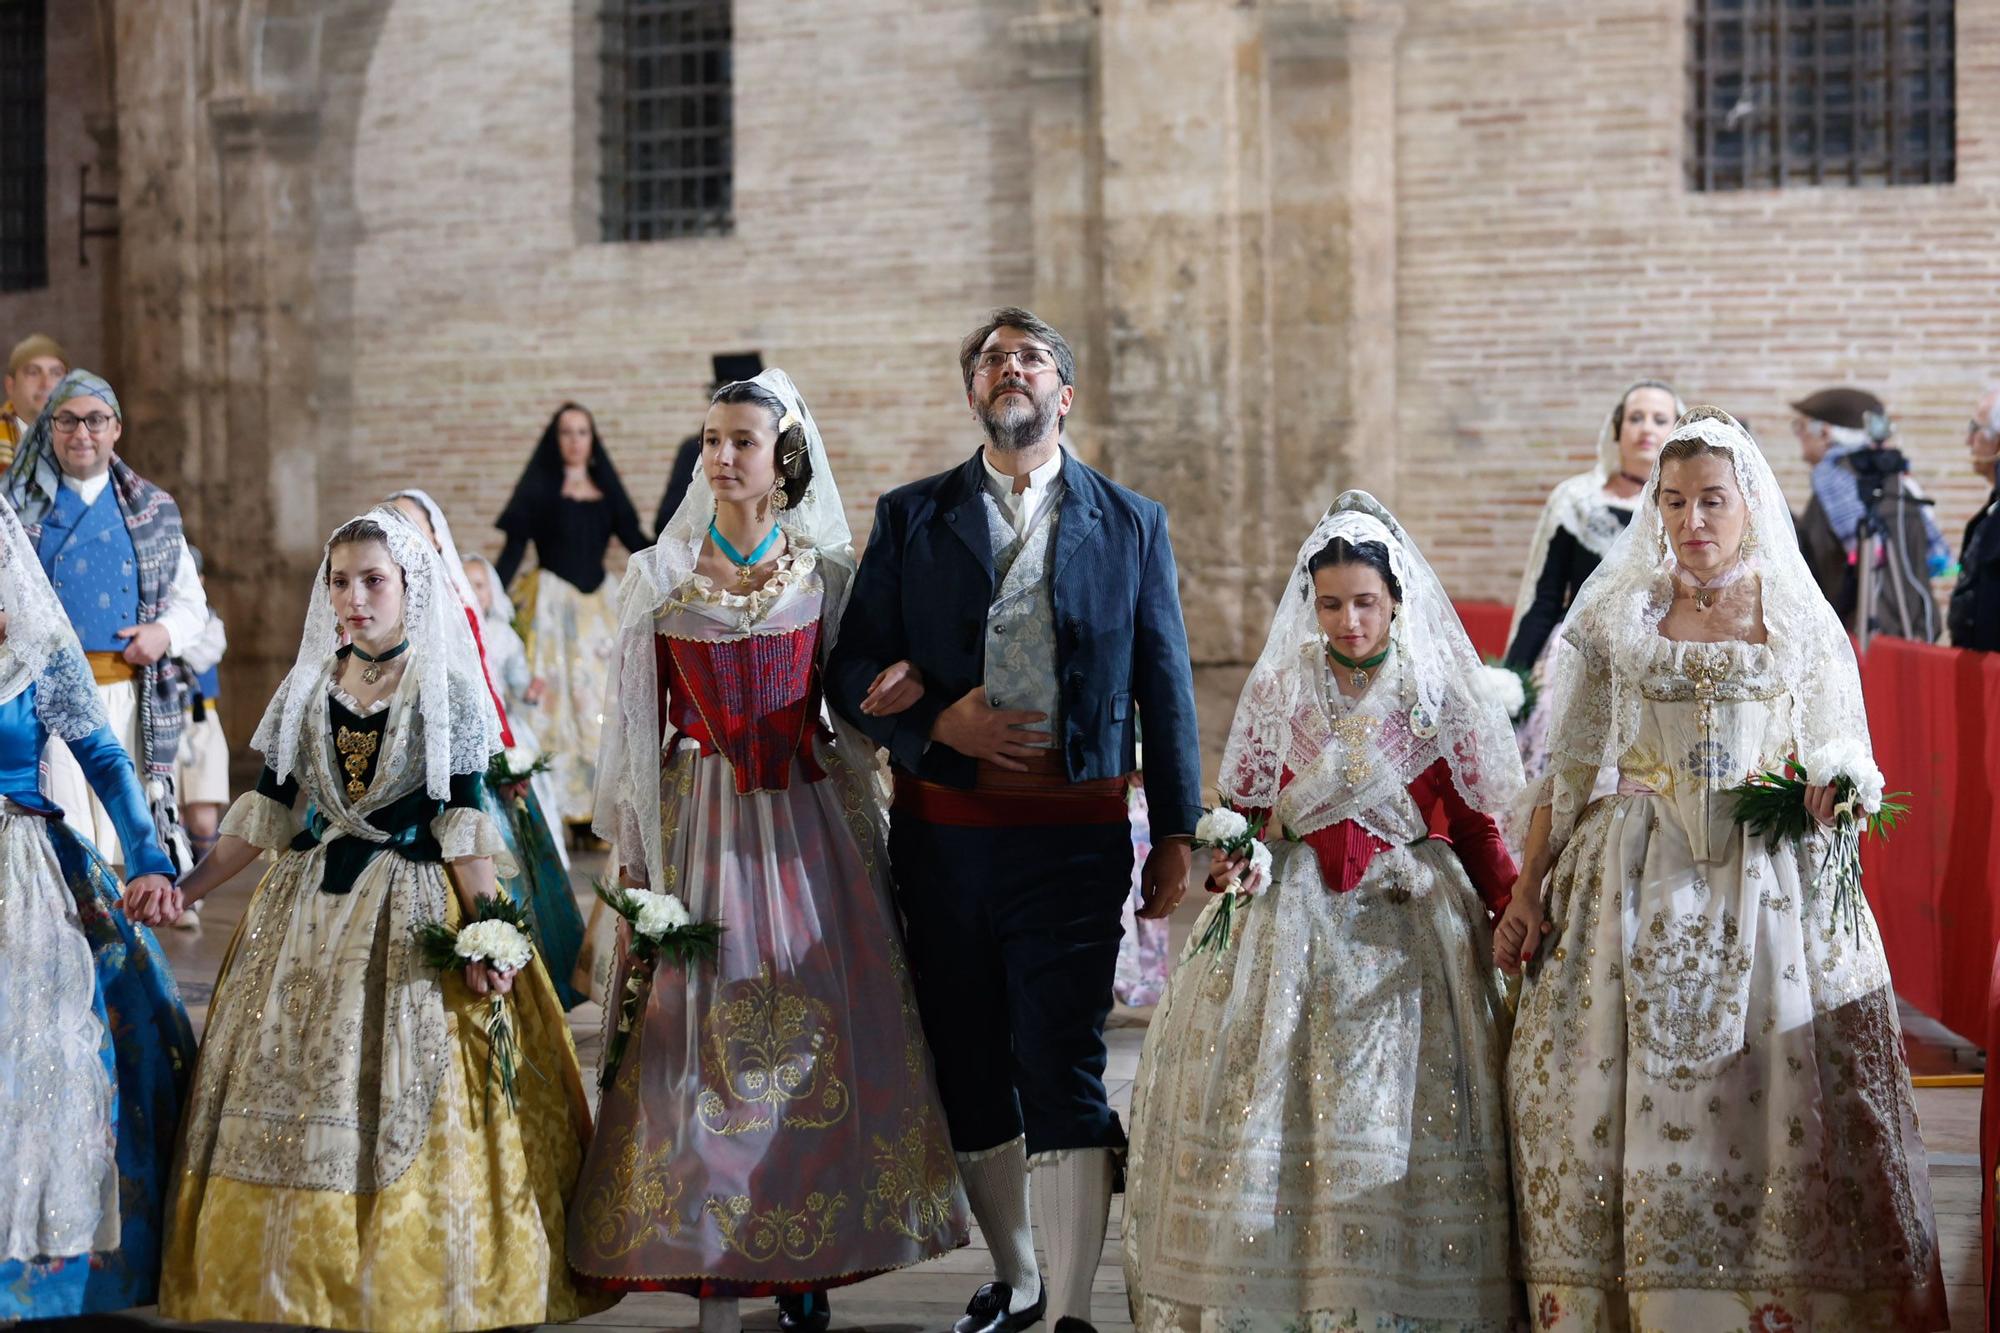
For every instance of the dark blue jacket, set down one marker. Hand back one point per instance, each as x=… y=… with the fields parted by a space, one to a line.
x=922 y=593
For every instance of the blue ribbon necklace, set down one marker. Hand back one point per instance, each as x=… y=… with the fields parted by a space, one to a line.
x=745 y=564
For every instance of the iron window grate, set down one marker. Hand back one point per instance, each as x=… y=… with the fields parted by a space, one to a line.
x=24 y=168
x=668 y=153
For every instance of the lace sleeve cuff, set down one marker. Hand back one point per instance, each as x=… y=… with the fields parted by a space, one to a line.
x=261 y=822
x=463 y=832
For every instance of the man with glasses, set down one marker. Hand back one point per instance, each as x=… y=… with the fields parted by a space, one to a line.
x=111 y=543
x=1012 y=621
x=33 y=369
x=1974 y=616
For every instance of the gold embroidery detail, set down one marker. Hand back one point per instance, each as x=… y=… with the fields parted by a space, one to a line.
x=356 y=748
x=635 y=1201
x=795 y=1234
x=912 y=1192
x=773 y=1048
x=1352 y=732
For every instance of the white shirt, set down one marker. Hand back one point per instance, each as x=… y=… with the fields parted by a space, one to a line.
x=186 y=611
x=1025 y=507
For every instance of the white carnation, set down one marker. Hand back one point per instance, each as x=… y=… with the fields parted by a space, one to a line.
x=1220 y=827
x=494 y=942
x=1504 y=688
x=1848 y=759
x=658 y=912
x=1259 y=870
x=519 y=760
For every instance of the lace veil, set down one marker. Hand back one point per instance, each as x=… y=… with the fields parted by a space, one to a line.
x=1614 y=625
x=1579 y=504
x=1281 y=720
x=454 y=568
x=41 y=648
x=628 y=798
x=461 y=730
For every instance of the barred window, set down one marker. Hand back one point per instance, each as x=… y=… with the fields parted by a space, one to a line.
x=668 y=159
x=24 y=168
x=1820 y=92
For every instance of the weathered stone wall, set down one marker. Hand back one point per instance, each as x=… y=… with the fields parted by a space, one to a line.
x=71 y=308
x=1300 y=244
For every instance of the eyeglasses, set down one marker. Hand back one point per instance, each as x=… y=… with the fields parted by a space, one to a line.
x=1034 y=360
x=96 y=423
x=1980 y=428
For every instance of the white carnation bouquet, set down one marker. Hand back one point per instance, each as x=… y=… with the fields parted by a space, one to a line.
x=1774 y=805
x=497 y=935
x=661 y=927
x=1228 y=830
x=1513 y=690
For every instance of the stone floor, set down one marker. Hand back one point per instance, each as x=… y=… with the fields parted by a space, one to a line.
x=930 y=1296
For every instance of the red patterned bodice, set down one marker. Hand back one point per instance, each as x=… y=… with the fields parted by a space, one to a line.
x=753 y=700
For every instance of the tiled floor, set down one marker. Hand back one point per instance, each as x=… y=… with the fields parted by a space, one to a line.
x=929 y=1297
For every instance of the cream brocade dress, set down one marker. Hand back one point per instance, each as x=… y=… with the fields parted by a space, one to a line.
x=1713 y=1124
x=340 y=1164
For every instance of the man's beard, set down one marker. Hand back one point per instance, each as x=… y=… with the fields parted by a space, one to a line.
x=1011 y=427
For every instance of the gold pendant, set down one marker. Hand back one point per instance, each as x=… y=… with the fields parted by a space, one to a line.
x=1704 y=598
x=371 y=673
x=746 y=576
x=1359 y=680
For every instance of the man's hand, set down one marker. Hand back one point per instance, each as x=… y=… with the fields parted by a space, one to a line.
x=978 y=730
x=1163 y=883
x=537 y=690
x=899 y=685
x=145 y=644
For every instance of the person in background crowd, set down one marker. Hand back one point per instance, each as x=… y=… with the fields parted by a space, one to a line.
x=569 y=503
x=34 y=368
x=729 y=368
x=111 y=544
x=202 y=770
x=1974 y=615
x=1844 y=435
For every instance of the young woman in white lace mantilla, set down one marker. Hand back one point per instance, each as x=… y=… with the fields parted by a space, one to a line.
x=772 y=1128
x=1580 y=523
x=1318 y=1141
x=1713 y=1124
x=342 y=1161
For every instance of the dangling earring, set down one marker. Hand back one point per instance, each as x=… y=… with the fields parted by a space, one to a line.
x=1749 y=546
x=779 y=501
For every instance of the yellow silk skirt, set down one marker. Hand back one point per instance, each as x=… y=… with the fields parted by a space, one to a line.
x=470 y=1236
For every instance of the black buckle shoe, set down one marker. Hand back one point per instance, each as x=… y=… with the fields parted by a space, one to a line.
x=804 y=1312
x=988 y=1312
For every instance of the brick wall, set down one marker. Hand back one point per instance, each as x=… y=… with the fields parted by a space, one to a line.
x=880 y=188
x=1549 y=254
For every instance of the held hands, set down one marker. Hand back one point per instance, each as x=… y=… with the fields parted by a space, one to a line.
x=1521 y=929
x=978 y=730
x=152 y=900
x=145 y=644
x=486 y=979
x=899 y=685
x=1163 y=883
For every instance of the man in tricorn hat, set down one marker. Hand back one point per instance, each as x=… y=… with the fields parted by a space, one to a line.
x=729 y=367
x=1843 y=434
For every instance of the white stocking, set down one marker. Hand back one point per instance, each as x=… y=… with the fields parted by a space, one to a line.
x=1073 y=1197
x=996 y=1185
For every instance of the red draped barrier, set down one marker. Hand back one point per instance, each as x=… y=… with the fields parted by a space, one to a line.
x=1934 y=714
x=1486 y=625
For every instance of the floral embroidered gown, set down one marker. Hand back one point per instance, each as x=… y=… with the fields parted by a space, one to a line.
x=1713 y=1124
x=1318 y=1134
x=773 y=1125
x=342 y=1163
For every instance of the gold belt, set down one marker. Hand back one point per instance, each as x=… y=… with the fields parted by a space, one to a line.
x=111 y=668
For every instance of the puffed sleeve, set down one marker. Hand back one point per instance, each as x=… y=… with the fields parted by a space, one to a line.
x=264 y=817
x=1475 y=838
x=465 y=829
